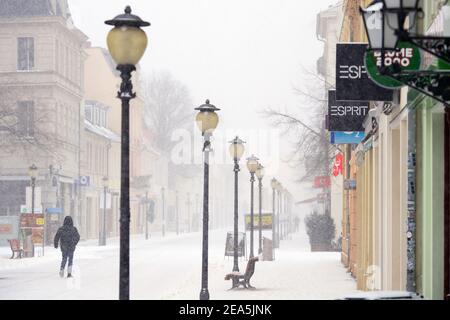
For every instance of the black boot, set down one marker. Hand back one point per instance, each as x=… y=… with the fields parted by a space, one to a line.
x=69 y=272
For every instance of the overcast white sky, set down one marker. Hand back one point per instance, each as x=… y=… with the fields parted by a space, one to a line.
x=244 y=55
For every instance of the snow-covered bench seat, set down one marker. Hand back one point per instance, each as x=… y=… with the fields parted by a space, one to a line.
x=239 y=279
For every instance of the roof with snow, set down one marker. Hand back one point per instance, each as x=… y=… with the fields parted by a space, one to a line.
x=101 y=131
x=26 y=8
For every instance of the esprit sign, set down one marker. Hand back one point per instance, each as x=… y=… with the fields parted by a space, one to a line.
x=351 y=72
x=346 y=115
x=352 y=81
x=345 y=108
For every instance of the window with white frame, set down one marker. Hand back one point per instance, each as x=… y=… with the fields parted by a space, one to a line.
x=88 y=112
x=25 y=53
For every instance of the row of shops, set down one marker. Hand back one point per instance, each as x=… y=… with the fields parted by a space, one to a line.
x=393 y=196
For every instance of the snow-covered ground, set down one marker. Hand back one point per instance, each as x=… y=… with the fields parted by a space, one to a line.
x=170 y=268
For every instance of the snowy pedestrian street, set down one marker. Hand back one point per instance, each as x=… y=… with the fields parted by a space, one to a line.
x=170 y=268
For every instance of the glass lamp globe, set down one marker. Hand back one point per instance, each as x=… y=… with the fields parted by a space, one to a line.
x=381 y=26
x=33 y=171
x=273 y=183
x=252 y=164
x=260 y=171
x=127 y=41
x=207 y=118
x=237 y=148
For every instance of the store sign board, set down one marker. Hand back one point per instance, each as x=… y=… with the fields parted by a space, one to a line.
x=346 y=115
x=229 y=244
x=24 y=209
x=342 y=137
x=349 y=184
x=266 y=221
x=408 y=57
x=352 y=81
x=322 y=182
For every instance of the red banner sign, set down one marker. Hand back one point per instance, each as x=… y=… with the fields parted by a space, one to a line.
x=322 y=182
x=338 y=165
x=5 y=228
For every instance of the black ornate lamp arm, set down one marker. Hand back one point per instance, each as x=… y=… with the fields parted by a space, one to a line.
x=437 y=46
x=426 y=82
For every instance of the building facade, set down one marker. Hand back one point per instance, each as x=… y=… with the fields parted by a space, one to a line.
x=41 y=81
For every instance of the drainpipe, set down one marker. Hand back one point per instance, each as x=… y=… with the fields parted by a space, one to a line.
x=347 y=173
x=411 y=229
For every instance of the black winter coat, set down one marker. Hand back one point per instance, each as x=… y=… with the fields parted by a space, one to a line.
x=67 y=235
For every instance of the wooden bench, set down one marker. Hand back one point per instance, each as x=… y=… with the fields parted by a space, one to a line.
x=240 y=279
x=15 y=247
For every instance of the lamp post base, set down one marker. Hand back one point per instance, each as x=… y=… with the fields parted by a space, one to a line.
x=204 y=294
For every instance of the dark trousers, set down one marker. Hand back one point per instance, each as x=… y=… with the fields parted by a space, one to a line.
x=67 y=254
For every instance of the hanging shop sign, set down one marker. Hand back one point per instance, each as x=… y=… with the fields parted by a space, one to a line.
x=28 y=209
x=54 y=214
x=266 y=221
x=352 y=81
x=408 y=57
x=346 y=115
x=85 y=181
x=342 y=137
x=349 y=184
x=322 y=182
x=229 y=244
x=338 y=165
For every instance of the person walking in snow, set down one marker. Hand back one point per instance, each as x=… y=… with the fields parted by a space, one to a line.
x=67 y=237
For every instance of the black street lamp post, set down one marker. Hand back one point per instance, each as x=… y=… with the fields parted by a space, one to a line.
x=147 y=209
x=281 y=213
x=252 y=166
x=279 y=217
x=284 y=215
x=188 y=204
x=126 y=43
x=273 y=184
x=102 y=238
x=260 y=175
x=207 y=121
x=177 y=214
x=236 y=151
x=163 y=211
x=33 y=172
x=197 y=212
